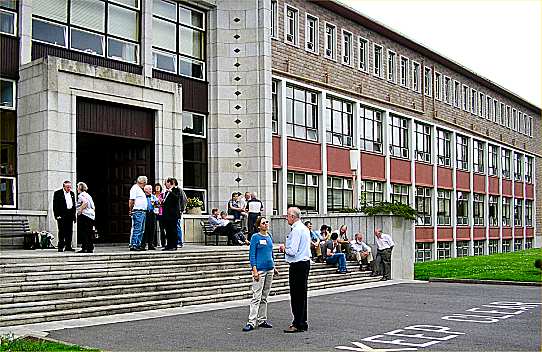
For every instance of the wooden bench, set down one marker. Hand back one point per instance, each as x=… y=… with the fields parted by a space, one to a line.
x=14 y=228
x=208 y=232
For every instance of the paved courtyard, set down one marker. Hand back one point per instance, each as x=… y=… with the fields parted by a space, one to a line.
x=405 y=316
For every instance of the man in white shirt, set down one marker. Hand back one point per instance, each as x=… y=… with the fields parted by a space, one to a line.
x=362 y=251
x=385 y=245
x=137 y=208
x=254 y=208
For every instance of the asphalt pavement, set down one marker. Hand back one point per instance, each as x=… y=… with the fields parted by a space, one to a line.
x=431 y=316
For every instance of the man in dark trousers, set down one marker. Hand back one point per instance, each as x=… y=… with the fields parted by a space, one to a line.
x=170 y=214
x=182 y=206
x=64 y=213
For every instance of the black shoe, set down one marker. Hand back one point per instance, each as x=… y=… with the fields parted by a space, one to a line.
x=266 y=325
x=384 y=279
x=81 y=251
x=152 y=248
x=69 y=250
x=60 y=250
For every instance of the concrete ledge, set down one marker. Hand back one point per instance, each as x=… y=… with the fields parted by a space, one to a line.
x=486 y=282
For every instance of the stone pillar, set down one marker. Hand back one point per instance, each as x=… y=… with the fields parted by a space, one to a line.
x=25 y=31
x=239 y=128
x=146 y=37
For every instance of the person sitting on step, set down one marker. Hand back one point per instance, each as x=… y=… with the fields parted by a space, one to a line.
x=361 y=251
x=334 y=254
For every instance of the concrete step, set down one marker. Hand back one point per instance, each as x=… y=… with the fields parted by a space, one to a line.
x=74 y=313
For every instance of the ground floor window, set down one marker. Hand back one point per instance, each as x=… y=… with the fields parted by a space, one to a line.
x=506 y=246
x=339 y=193
x=528 y=243
x=423 y=251
x=372 y=192
x=8 y=158
x=423 y=205
x=303 y=191
x=479 y=247
x=493 y=246
x=462 y=248
x=400 y=194
x=518 y=244
x=444 y=250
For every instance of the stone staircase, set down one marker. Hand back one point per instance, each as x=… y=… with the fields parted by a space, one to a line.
x=55 y=286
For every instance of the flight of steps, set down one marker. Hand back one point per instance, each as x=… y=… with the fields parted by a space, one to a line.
x=53 y=286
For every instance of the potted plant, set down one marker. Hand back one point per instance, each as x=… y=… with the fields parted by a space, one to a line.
x=193 y=206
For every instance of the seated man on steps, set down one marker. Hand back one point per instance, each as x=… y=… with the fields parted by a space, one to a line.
x=222 y=226
x=334 y=254
x=361 y=251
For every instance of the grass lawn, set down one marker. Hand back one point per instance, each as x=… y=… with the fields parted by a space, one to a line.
x=35 y=344
x=515 y=266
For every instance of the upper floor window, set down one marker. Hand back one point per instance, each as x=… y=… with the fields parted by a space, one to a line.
x=275 y=107
x=428 y=82
x=302 y=190
x=274 y=19
x=530 y=126
x=462 y=153
x=478 y=209
x=8 y=18
x=400 y=193
x=465 y=98
x=399 y=137
x=489 y=107
x=339 y=121
x=514 y=119
x=423 y=205
x=423 y=142
x=521 y=117
x=493 y=210
x=378 y=58
x=473 y=101
x=495 y=113
x=478 y=157
x=82 y=27
x=8 y=94
x=448 y=90
x=178 y=39
x=493 y=155
x=339 y=193
x=404 y=72
x=371 y=125
x=347 y=48
x=331 y=42
x=528 y=169
x=518 y=167
x=518 y=212
x=291 y=25
x=363 y=54
x=508 y=116
x=372 y=192
x=444 y=206
x=502 y=112
x=505 y=163
x=462 y=208
x=506 y=211
x=457 y=94
x=195 y=156
x=528 y=213
x=481 y=104
x=311 y=34
x=301 y=113
x=438 y=86
x=392 y=66
x=444 y=147
x=416 y=77
x=194 y=124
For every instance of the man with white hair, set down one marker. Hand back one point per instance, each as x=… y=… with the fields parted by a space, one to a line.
x=385 y=245
x=137 y=207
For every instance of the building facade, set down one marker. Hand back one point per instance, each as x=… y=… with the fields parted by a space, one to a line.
x=307 y=103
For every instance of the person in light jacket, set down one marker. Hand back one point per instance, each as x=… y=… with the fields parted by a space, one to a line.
x=86 y=214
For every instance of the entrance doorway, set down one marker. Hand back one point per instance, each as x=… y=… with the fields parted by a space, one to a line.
x=109 y=162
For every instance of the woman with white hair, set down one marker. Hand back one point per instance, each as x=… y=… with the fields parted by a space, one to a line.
x=85 y=218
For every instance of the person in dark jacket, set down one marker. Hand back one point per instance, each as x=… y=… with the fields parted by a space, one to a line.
x=170 y=214
x=64 y=213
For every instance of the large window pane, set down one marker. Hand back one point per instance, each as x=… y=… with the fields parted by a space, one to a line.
x=7 y=22
x=7 y=94
x=88 y=14
x=190 y=17
x=49 y=32
x=191 y=42
x=87 y=42
x=191 y=68
x=193 y=124
x=120 y=50
x=164 y=61
x=52 y=9
x=123 y=23
x=162 y=34
x=165 y=9
x=195 y=162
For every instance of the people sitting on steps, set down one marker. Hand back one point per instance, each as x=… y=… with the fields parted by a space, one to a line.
x=222 y=226
x=362 y=252
x=334 y=254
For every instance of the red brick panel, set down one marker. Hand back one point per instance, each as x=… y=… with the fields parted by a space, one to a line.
x=479 y=183
x=518 y=189
x=529 y=191
x=445 y=234
x=444 y=178
x=424 y=234
x=507 y=188
x=276 y=152
x=338 y=161
x=529 y=232
x=400 y=171
x=463 y=233
x=424 y=174
x=373 y=167
x=518 y=232
x=494 y=233
x=479 y=233
x=462 y=181
x=507 y=233
x=304 y=156
x=493 y=183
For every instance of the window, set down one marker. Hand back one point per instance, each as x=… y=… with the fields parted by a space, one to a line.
x=416 y=77
x=457 y=94
x=518 y=167
x=506 y=246
x=399 y=137
x=194 y=124
x=7 y=94
x=372 y=192
x=462 y=206
x=465 y=99
x=520 y=122
x=505 y=163
x=481 y=104
x=528 y=169
x=427 y=82
x=363 y=54
x=495 y=114
x=528 y=243
x=400 y=194
x=378 y=61
x=492 y=158
x=478 y=247
x=291 y=25
x=348 y=46
x=392 y=66
x=8 y=159
x=508 y=116
x=184 y=52
x=444 y=250
x=478 y=156
x=489 y=108
x=301 y=113
x=405 y=72
x=195 y=154
x=493 y=211
x=530 y=126
x=8 y=21
x=478 y=209
x=274 y=19
x=371 y=125
x=528 y=213
x=444 y=204
x=85 y=21
x=303 y=191
x=448 y=90
x=462 y=152
x=506 y=203
x=423 y=205
x=462 y=248
x=339 y=193
x=473 y=101
x=276 y=194
x=331 y=42
x=423 y=142
x=518 y=212
x=423 y=252
x=438 y=86
x=339 y=119
x=275 y=107
x=518 y=244
x=444 y=147
x=493 y=246
x=311 y=34
x=514 y=119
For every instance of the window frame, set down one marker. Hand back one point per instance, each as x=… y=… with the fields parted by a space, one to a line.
x=330 y=134
x=428 y=81
x=493 y=210
x=456 y=94
x=377 y=129
x=398 y=193
x=332 y=50
x=478 y=247
x=377 y=188
x=363 y=44
x=444 y=250
x=391 y=69
x=478 y=209
x=444 y=207
x=424 y=252
x=275 y=118
x=528 y=212
x=462 y=152
x=416 y=73
x=378 y=70
x=344 y=35
x=438 y=86
x=463 y=198
x=424 y=197
x=465 y=98
x=401 y=148
x=518 y=167
x=492 y=160
x=478 y=156
x=315 y=107
x=404 y=72
x=448 y=91
x=462 y=248
x=489 y=108
x=506 y=164
x=343 y=190
x=13 y=95
x=506 y=210
x=295 y=35
x=15 y=22
x=481 y=104
x=425 y=136
x=204 y=135
x=306 y=186
x=473 y=101
x=528 y=172
x=518 y=212
x=444 y=158
x=316 y=44
x=274 y=19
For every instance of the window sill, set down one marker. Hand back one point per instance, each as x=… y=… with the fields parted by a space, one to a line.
x=449 y=167
x=424 y=162
x=371 y=152
x=312 y=52
x=302 y=140
x=399 y=158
